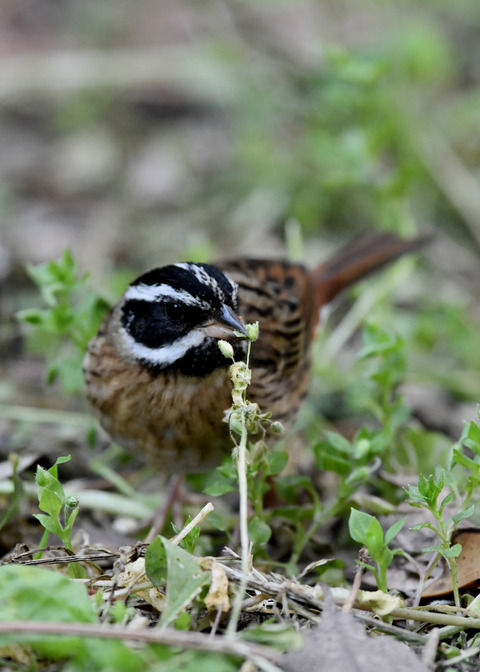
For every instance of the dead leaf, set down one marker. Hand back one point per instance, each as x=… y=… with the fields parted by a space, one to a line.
x=381 y=603
x=217 y=597
x=468 y=564
x=134 y=578
x=340 y=644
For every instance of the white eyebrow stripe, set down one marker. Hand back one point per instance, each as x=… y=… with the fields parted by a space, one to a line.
x=165 y=354
x=144 y=292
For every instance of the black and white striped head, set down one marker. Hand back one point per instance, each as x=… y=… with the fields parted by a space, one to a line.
x=172 y=318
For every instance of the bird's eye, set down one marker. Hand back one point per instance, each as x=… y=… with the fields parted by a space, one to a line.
x=174 y=311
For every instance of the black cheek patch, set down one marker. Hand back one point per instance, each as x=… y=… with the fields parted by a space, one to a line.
x=148 y=323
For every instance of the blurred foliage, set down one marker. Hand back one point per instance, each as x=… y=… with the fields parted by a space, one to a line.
x=72 y=316
x=334 y=146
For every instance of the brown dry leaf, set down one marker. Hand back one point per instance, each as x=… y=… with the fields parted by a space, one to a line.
x=217 y=597
x=339 y=644
x=135 y=579
x=468 y=564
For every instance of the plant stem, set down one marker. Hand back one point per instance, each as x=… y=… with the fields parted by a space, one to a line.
x=243 y=513
x=319 y=519
x=453 y=571
x=452 y=562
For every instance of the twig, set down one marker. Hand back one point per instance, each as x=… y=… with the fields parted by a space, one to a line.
x=170 y=637
x=435 y=618
x=356 y=582
x=312 y=597
x=63 y=560
x=199 y=518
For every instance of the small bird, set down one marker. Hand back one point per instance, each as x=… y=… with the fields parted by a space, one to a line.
x=154 y=373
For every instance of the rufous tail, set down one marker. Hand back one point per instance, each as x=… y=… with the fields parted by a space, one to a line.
x=358 y=259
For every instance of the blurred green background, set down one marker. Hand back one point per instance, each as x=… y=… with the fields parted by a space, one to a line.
x=139 y=133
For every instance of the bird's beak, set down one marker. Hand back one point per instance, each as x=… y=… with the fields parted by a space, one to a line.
x=225 y=323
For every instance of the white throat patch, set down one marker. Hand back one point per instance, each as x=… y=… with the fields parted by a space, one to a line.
x=164 y=354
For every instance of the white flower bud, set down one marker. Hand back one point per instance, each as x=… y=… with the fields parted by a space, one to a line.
x=277 y=427
x=253 y=330
x=226 y=349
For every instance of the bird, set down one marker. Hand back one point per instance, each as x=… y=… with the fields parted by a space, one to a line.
x=155 y=376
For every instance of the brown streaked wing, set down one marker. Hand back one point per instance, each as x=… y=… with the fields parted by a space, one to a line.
x=278 y=295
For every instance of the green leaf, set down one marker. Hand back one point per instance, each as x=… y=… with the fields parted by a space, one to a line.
x=463 y=515
x=156 y=562
x=281 y=636
x=185 y=581
x=452 y=552
x=374 y=539
x=218 y=484
x=62 y=459
x=474 y=432
x=188 y=542
x=228 y=468
x=47 y=479
x=463 y=460
x=71 y=519
x=31 y=316
x=339 y=442
x=36 y=594
x=276 y=462
x=183 y=621
x=217 y=521
x=385 y=558
x=414 y=493
x=50 y=524
x=258 y=531
x=49 y=502
x=359 y=525
x=358 y=475
x=431 y=486
x=328 y=458
x=446 y=500
x=42 y=477
x=392 y=531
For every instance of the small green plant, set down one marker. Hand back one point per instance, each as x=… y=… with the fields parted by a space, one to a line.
x=429 y=494
x=59 y=510
x=384 y=365
x=356 y=462
x=72 y=316
x=470 y=463
x=366 y=530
